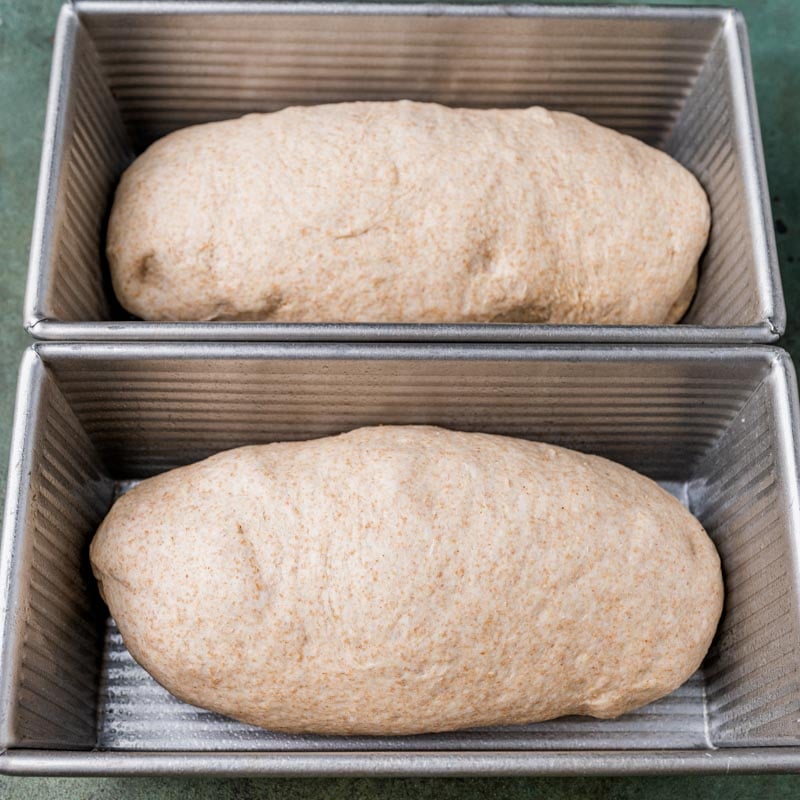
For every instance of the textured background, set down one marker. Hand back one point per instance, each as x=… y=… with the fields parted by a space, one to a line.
x=26 y=31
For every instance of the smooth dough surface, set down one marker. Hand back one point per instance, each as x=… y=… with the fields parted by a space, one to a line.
x=406 y=212
x=399 y=580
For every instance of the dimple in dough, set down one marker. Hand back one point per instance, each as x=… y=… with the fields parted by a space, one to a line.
x=406 y=212
x=400 y=580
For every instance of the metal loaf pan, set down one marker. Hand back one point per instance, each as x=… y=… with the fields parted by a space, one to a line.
x=126 y=73
x=717 y=427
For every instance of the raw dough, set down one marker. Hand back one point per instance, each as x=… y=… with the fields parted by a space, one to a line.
x=398 y=580
x=406 y=212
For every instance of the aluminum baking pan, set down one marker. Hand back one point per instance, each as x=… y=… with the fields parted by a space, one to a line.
x=717 y=426
x=125 y=73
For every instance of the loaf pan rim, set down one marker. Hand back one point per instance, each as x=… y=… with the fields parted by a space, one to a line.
x=49 y=330
x=407 y=764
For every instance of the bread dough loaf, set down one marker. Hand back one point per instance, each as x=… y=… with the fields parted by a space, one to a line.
x=406 y=212
x=399 y=580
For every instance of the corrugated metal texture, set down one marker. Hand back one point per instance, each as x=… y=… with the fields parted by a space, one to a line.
x=94 y=152
x=55 y=614
x=705 y=141
x=172 y=70
x=137 y=714
x=147 y=416
x=166 y=65
x=753 y=670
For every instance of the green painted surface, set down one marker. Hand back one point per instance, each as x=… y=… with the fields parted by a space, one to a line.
x=26 y=28
x=748 y=787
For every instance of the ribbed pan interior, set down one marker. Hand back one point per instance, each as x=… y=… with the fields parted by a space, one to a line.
x=53 y=619
x=96 y=150
x=632 y=75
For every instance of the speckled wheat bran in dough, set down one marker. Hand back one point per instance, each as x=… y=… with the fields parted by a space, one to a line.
x=399 y=580
x=406 y=212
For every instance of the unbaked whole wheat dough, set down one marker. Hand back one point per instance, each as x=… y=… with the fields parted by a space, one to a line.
x=399 y=580
x=406 y=212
